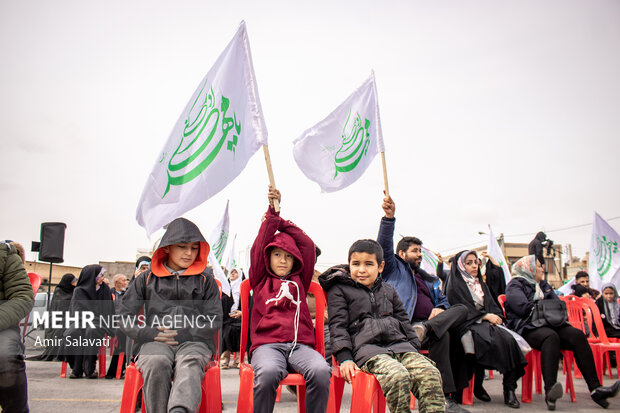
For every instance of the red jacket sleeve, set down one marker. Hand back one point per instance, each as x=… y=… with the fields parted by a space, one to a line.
x=306 y=248
x=267 y=230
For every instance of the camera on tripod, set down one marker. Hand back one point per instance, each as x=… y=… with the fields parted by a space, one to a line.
x=549 y=245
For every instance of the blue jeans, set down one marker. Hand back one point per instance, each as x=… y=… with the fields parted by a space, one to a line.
x=13 y=385
x=272 y=363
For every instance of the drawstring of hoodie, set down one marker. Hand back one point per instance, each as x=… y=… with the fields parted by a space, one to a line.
x=285 y=292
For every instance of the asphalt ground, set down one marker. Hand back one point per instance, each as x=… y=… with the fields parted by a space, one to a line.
x=48 y=393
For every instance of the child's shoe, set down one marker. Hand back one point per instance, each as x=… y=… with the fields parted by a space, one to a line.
x=234 y=364
x=225 y=359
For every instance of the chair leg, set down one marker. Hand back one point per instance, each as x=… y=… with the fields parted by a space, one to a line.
x=336 y=389
x=119 y=365
x=568 y=363
x=101 y=360
x=526 y=380
x=131 y=388
x=279 y=393
x=412 y=402
x=468 y=393
x=63 y=370
x=301 y=398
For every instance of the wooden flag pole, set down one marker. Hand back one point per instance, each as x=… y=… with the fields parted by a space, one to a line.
x=385 y=180
x=272 y=181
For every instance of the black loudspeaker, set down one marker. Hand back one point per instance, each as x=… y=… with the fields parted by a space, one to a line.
x=52 y=242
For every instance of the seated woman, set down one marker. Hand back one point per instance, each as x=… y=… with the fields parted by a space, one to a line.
x=60 y=302
x=609 y=308
x=91 y=295
x=524 y=289
x=494 y=347
x=231 y=328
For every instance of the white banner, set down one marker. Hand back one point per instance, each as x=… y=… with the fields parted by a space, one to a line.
x=219 y=130
x=604 y=261
x=219 y=273
x=335 y=152
x=429 y=261
x=232 y=257
x=495 y=251
x=219 y=236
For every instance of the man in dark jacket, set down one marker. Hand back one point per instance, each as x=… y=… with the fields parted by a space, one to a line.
x=370 y=329
x=16 y=301
x=536 y=247
x=429 y=310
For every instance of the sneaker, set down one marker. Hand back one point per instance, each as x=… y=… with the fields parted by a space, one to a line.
x=420 y=330
x=453 y=407
x=554 y=393
x=75 y=375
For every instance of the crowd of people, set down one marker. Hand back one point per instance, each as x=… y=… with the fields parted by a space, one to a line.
x=415 y=332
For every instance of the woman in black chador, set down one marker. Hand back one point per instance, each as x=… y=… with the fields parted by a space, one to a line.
x=93 y=295
x=494 y=347
x=60 y=302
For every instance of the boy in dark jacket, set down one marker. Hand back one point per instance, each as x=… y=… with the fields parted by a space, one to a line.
x=370 y=329
x=182 y=311
x=281 y=328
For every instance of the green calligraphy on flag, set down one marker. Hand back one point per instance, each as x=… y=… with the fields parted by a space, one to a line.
x=604 y=252
x=202 y=140
x=220 y=245
x=355 y=142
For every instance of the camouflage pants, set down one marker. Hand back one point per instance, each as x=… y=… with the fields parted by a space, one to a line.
x=403 y=373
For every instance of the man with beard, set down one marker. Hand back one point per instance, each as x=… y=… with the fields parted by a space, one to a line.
x=432 y=317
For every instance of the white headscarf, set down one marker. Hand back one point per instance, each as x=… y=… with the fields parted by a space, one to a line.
x=235 y=289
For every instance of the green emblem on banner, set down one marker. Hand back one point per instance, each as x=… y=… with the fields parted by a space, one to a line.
x=206 y=129
x=604 y=251
x=355 y=142
x=218 y=248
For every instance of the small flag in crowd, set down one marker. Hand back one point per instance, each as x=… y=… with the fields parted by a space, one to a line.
x=429 y=261
x=219 y=130
x=335 y=152
x=219 y=236
x=232 y=257
x=604 y=261
x=495 y=251
x=218 y=273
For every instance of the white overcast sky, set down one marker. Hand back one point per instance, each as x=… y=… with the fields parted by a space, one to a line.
x=493 y=112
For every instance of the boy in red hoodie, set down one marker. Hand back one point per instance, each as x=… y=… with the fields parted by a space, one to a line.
x=282 y=333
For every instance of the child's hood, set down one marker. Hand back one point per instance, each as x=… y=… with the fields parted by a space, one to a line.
x=613 y=287
x=287 y=243
x=179 y=231
x=335 y=275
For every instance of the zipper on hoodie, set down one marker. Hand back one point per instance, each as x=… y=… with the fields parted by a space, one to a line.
x=373 y=304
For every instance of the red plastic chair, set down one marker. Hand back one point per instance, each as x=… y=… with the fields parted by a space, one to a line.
x=602 y=346
x=533 y=370
x=101 y=363
x=35 y=280
x=245 y=402
x=211 y=386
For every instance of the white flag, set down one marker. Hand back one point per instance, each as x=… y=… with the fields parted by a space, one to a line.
x=495 y=251
x=219 y=236
x=219 y=273
x=232 y=258
x=335 y=152
x=429 y=261
x=566 y=288
x=221 y=127
x=604 y=261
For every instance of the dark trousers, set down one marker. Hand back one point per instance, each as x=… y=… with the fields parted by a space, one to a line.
x=272 y=363
x=440 y=328
x=13 y=385
x=550 y=341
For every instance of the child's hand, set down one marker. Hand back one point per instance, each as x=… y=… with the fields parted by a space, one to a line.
x=388 y=206
x=348 y=370
x=274 y=194
x=166 y=336
x=235 y=314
